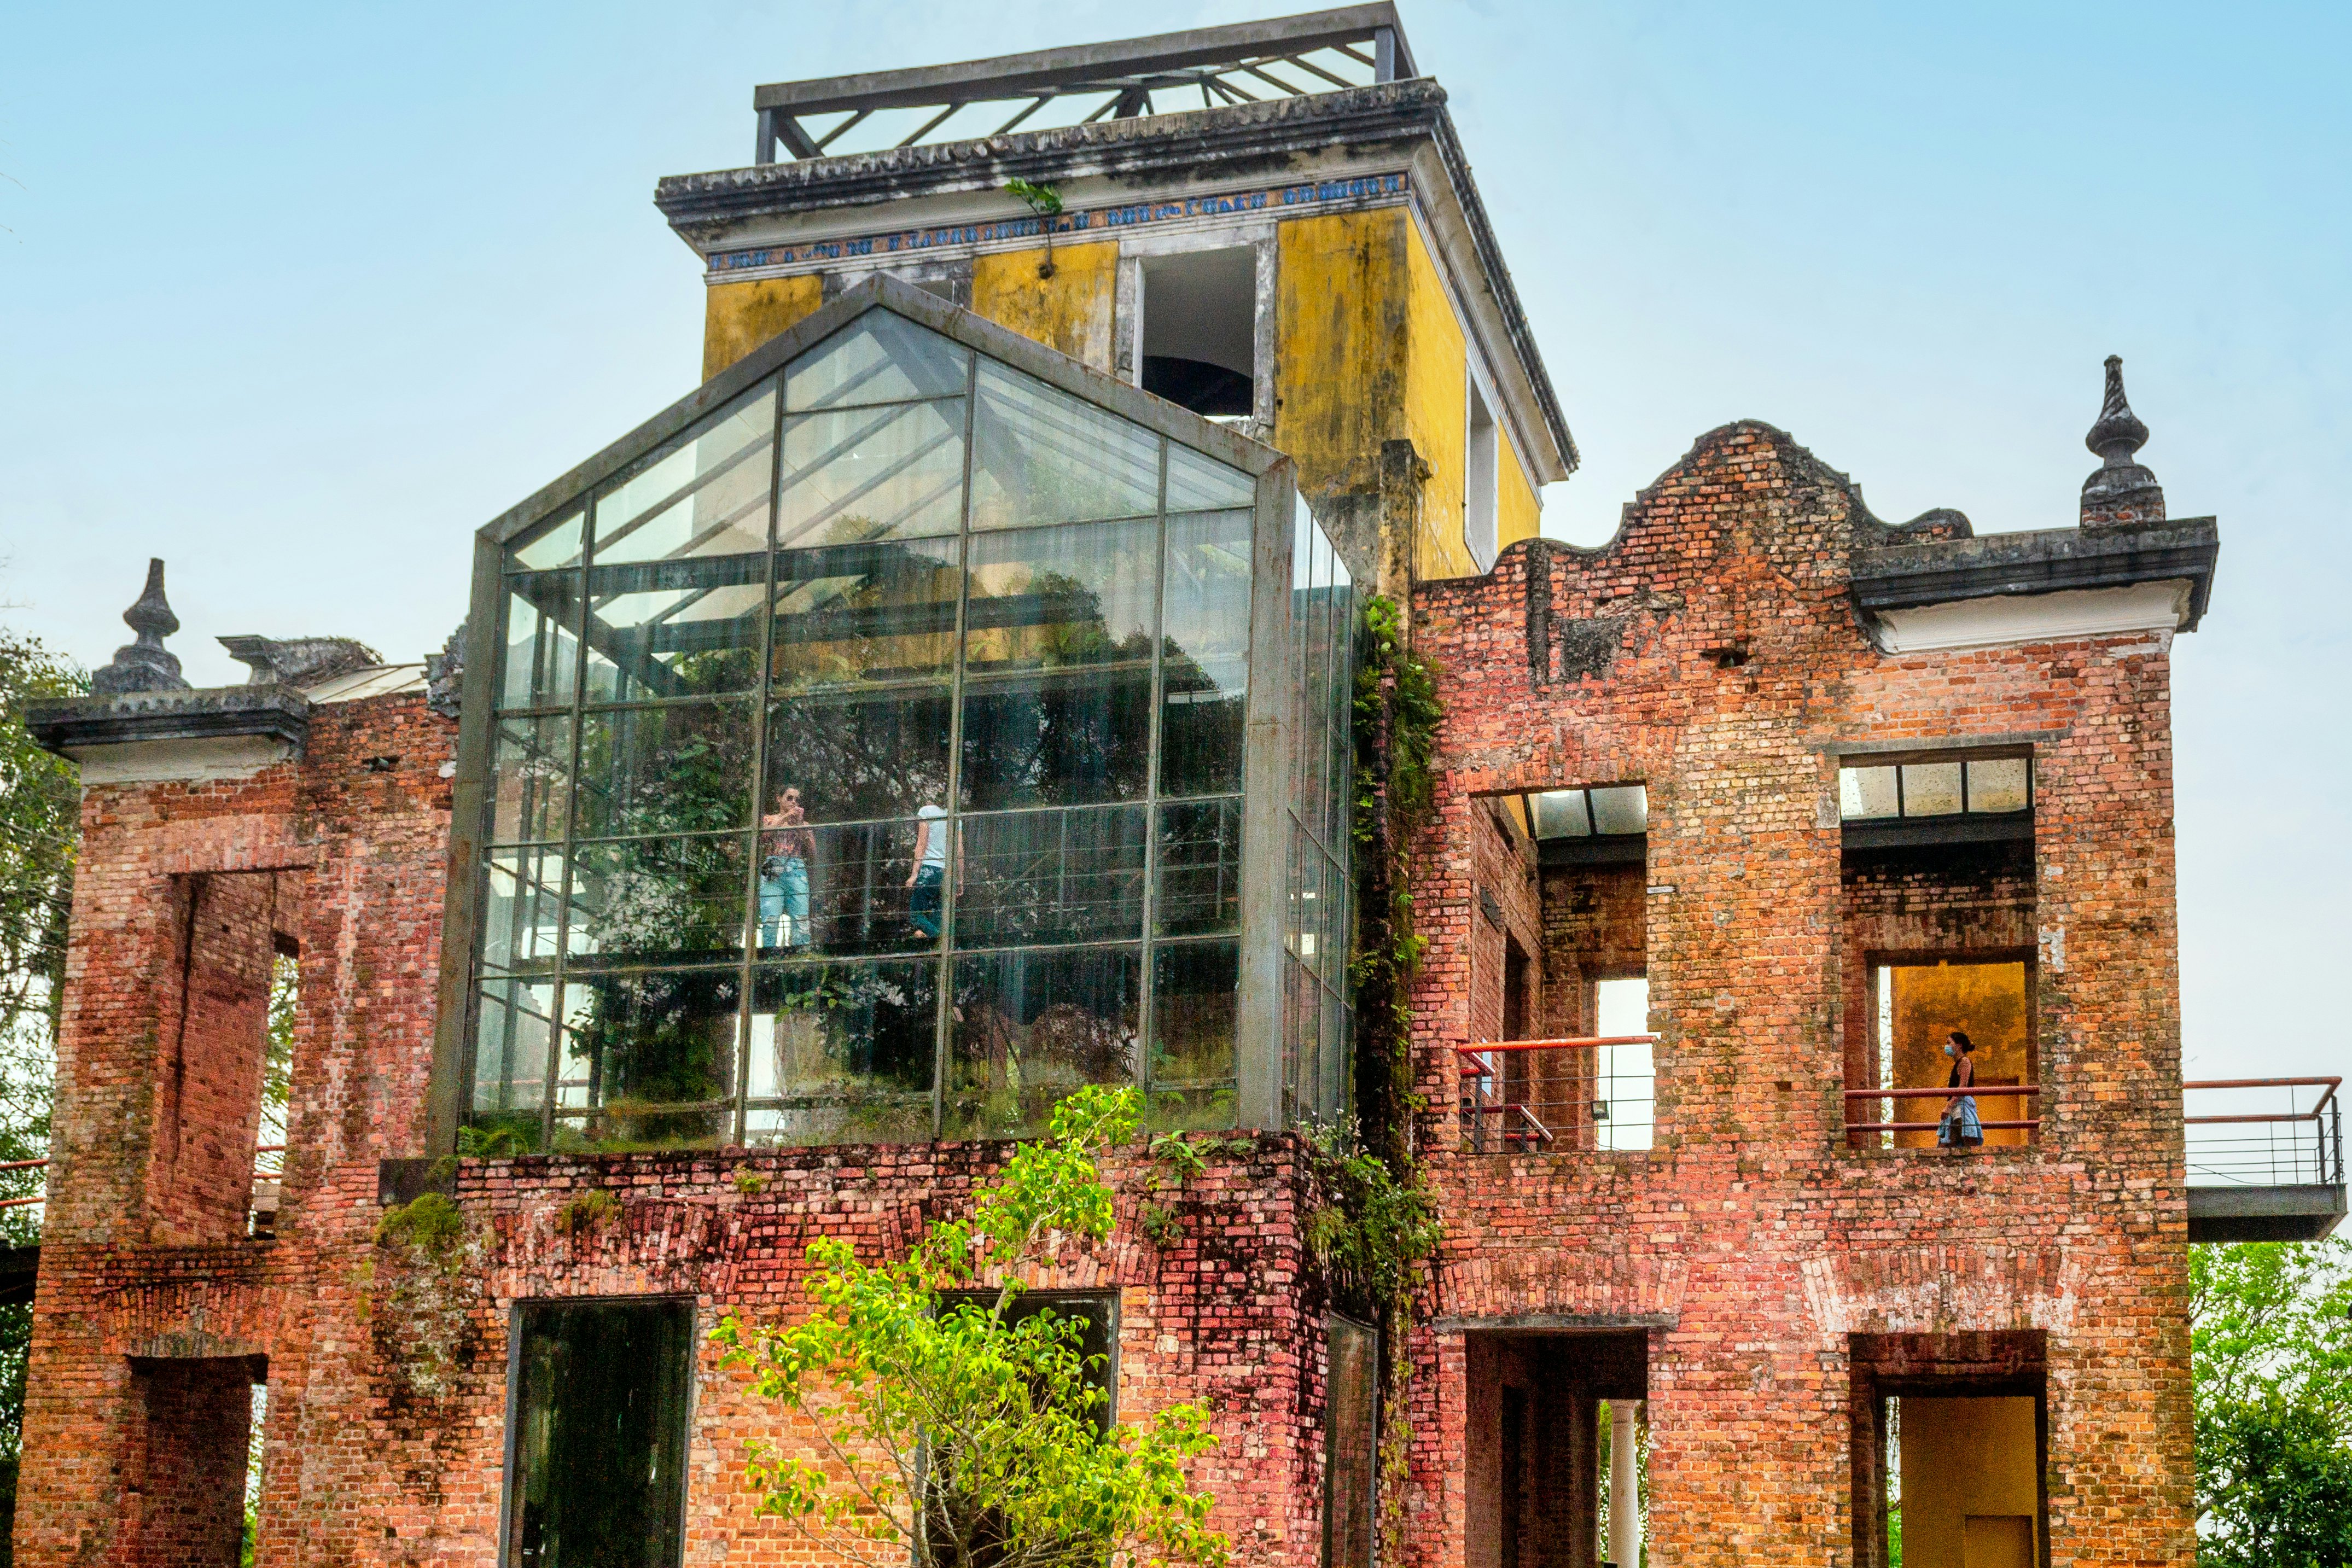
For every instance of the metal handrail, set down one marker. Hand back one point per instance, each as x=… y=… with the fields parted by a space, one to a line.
x=1946 y=1092
x=2261 y=1161
x=1518 y=1127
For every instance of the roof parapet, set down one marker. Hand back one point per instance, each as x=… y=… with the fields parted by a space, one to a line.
x=1250 y=62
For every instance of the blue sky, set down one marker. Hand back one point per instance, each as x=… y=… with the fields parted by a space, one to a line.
x=298 y=297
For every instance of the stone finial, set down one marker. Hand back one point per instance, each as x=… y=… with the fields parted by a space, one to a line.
x=445 y=675
x=143 y=665
x=2120 y=490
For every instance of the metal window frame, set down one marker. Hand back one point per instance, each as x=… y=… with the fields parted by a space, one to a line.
x=1268 y=721
x=1127 y=71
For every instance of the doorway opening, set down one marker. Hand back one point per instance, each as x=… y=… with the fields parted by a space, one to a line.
x=1556 y=1440
x=1950 y=1441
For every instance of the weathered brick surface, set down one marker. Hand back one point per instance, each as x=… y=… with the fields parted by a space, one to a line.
x=385 y=1429
x=1710 y=653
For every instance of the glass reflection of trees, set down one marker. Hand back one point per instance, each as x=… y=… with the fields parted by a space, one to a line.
x=981 y=674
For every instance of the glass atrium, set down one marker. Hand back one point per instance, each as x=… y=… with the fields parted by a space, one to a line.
x=894 y=738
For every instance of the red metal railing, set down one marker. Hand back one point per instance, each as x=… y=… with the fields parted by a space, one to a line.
x=1583 y=1091
x=1983 y=1091
x=2297 y=1146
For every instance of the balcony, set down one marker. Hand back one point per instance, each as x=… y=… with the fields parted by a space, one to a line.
x=2265 y=1159
x=1556 y=1096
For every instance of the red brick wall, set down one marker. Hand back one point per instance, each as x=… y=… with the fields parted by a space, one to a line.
x=1710 y=652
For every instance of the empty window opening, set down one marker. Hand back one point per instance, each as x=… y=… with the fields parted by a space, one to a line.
x=1937 y=799
x=1200 y=330
x=1574 y=1067
x=1920 y=1006
x=596 y=1467
x=1481 y=471
x=213 y=1068
x=253 y=1472
x=276 y=1089
x=188 y=1471
x=1350 y=1444
x=1555 y=1449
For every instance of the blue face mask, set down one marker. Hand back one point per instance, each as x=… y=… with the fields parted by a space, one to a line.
x=1951 y=1049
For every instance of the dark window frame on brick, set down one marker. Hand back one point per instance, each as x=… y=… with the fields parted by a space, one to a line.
x=668 y=1441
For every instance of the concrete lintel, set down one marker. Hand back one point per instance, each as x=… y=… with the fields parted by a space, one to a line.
x=1555 y=1323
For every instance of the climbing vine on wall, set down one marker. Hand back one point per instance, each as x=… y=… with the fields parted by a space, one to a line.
x=1379 y=1229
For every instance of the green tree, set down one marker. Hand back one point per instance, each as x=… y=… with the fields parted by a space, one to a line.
x=963 y=1431
x=2270 y=1331
x=40 y=804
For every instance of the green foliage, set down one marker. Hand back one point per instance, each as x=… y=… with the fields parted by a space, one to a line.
x=430 y=1226
x=748 y=1181
x=1374 y=1229
x=588 y=1210
x=2271 y=1333
x=1043 y=200
x=958 y=1432
x=499 y=1140
x=40 y=823
x=1380 y=1225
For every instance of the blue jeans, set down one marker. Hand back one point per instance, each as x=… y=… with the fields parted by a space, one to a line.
x=923 y=903
x=784 y=900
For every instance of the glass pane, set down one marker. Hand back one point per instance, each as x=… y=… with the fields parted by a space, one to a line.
x=1309 y=943
x=1560 y=814
x=1070 y=738
x=677 y=770
x=510 y=1040
x=1200 y=869
x=895 y=472
x=840 y=889
x=856 y=614
x=709 y=495
x=878 y=358
x=540 y=663
x=1043 y=457
x=1620 y=809
x=522 y=908
x=1050 y=876
x=1865 y=792
x=530 y=778
x=842 y=1054
x=1339 y=937
x=1204 y=632
x=651 y=1056
x=1198 y=484
x=656 y=900
x=600 y=1442
x=1931 y=788
x=1195 y=991
x=553 y=546
x=1340 y=797
x=1030 y=1026
x=2003 y=784
x=1051 y=598
x=675 y=629
x=860 y=756
x=1335 y=1053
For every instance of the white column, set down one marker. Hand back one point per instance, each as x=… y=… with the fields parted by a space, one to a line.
x=1624 y=1488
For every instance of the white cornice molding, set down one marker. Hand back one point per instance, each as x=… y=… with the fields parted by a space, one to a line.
x=2010 y=619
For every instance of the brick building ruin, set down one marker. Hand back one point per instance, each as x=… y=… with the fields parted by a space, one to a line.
x=1026 y=542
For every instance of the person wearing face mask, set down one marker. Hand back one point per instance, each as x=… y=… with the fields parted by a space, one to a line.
x=1960 y=1126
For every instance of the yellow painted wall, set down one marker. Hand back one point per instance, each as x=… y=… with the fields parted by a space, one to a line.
x=1969 y=1479
x=1071 y=310
x=1340 y=345
x=1520 y=514
x=1988 y=1002
x=737 y=318
x=1436 y=413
